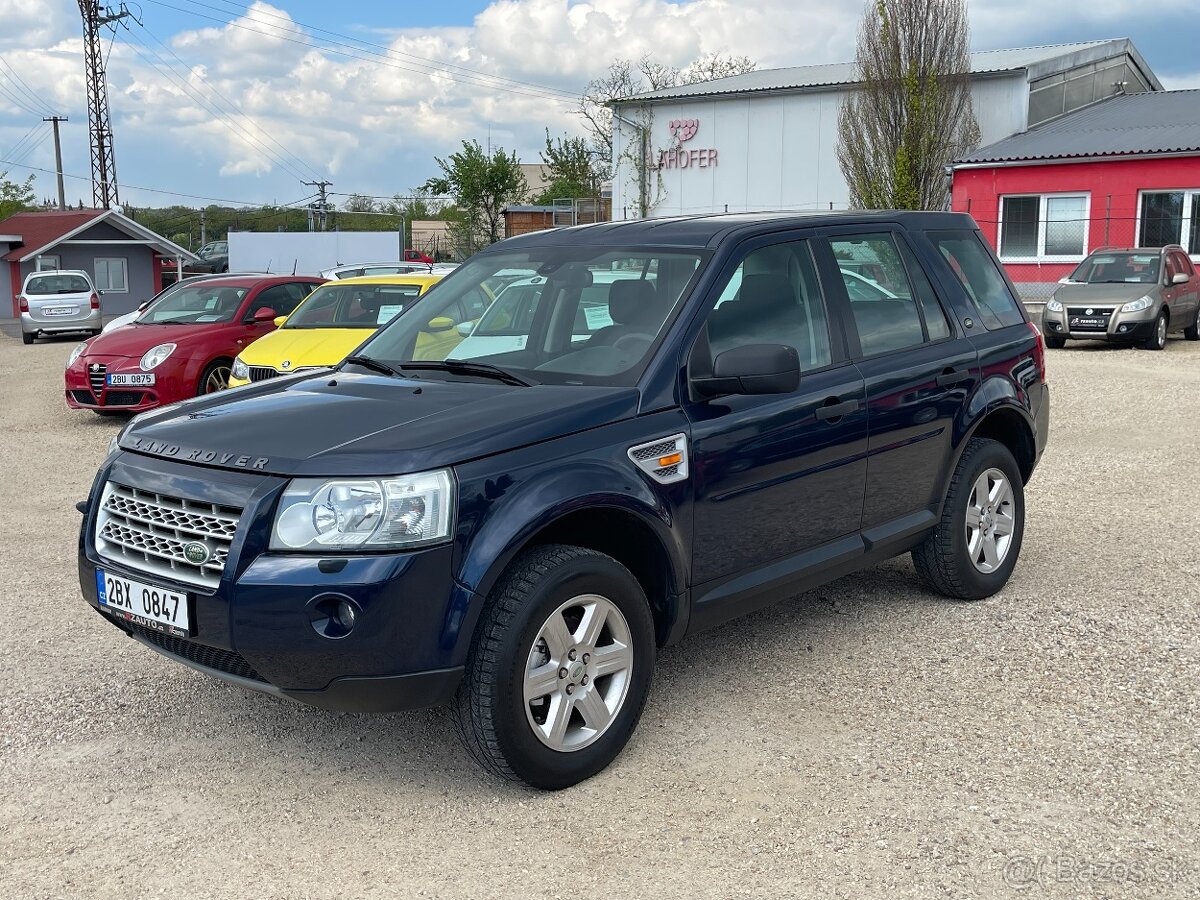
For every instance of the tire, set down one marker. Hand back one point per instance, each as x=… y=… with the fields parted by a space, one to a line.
x=217 y=370
x=27 y=338
x=512 y=736
x=1158 y=337
x=1054 y=342
x=1192 y=332
x=944 y=560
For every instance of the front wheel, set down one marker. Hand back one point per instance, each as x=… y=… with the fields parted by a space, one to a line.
x=1158 y=337
x=560 y=669
x=214 y=378
x=1055 y=342
x=972 y=551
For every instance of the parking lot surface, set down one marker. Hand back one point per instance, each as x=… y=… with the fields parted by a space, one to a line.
x=868 y=739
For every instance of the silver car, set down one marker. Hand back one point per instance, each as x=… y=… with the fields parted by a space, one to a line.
x=1126 y=296
x=58 y=302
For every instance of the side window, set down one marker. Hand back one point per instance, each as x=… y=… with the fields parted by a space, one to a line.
x=278 y=298
x=936 y=325
x=881 y=296
x=773 y=297
x=974 y=267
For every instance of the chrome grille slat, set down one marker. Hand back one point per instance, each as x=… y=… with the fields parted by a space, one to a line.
x=96 y=374
x=148 y=531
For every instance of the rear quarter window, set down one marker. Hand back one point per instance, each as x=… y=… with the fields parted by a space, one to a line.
x=977 y=272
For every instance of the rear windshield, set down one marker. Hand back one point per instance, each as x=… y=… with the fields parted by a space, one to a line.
x=353 y=305
x=1118 y=268
x=44 y=285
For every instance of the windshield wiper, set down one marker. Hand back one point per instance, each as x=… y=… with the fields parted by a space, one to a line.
x=463 y=367
x=369 y=363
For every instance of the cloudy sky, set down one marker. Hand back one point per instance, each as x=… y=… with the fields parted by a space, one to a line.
x=220 y=100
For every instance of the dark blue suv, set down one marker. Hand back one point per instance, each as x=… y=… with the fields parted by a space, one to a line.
x=584 y=444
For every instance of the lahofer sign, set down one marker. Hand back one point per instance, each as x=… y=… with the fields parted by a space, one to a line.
x=680 y=156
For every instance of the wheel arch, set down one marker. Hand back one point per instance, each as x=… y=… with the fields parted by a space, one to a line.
x=1011 y=426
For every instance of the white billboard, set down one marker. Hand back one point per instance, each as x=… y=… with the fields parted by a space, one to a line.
x=308 y=252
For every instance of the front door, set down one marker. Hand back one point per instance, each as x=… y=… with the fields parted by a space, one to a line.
x=778 y=475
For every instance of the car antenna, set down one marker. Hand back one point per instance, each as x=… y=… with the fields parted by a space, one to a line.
x=295 y=263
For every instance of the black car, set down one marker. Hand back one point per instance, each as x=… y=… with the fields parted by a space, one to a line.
x=676 y=422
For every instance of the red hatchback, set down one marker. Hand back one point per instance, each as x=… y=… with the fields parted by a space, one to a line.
x=182 y=346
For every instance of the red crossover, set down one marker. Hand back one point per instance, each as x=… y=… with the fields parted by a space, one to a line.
x=182 y=346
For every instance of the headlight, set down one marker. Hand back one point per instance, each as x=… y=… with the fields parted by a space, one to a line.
x=1054 y=305
x=241 y=371
x=76 y=353
x=1138 y=305
x=374 y=514
x=156 y=355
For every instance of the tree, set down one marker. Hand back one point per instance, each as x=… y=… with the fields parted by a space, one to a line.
x=625 y=78
x=572 y=172
x=15 y=196
x=359 y=203
x=911 y=114
x=481 y=186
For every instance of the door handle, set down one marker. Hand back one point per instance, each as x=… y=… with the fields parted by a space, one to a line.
x=834 y=409
x=952 y=376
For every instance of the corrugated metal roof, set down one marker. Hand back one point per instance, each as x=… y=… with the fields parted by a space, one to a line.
x=1151 y=122
x=798 y=77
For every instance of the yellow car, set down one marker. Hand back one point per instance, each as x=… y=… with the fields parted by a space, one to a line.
x=332 y=321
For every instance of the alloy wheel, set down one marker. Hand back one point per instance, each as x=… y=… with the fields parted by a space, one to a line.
x=217 y=380
x=990 y=521
x=578 y=672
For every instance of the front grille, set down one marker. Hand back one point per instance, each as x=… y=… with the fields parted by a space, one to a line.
x=123 y=398
x=84 y=397
x=1096 y=312
x=262 y=373
x=149 y=531
x=96 y=373
x=226 y=661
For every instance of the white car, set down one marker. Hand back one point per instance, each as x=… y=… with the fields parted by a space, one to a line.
x=386 y=268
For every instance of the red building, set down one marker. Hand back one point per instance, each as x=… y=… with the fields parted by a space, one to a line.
x=1123 y=172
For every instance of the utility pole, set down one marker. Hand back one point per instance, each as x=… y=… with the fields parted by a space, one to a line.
x=203 y=238
x=322 y=205
x=58 y=169
x=104 y=163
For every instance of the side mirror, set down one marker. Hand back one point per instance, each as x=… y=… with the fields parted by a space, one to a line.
x=144 y=304
x=441 y=323
x=279 y=320
x=1179 y=278
x=99 y=293
x=753 y=369
x=263 y=315
x=465 y=328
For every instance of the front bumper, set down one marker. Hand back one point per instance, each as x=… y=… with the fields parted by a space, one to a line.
x=88 y=389
x=259 y=626
x=44 y=325
x=1122 y=327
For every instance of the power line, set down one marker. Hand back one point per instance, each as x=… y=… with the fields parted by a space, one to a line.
x=370 y=47
x=19 y=82
x=21 y=144
x=558 y=97
x=31 y=148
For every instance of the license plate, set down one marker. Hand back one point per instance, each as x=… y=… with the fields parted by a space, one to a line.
x=135 y=379
x=1089 y=322
x=154 y=607
x=60 y=311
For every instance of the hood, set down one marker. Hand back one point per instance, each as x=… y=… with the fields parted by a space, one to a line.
x=305 y=346
x=1106 y=294
x=133 y=340
x=345 y=424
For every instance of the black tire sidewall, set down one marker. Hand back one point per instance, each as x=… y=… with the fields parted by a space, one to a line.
x=1152 y=342
x=991 y=455
x=530 y=759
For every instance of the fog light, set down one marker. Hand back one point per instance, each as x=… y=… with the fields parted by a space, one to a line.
x=333 y=615
x=345 y=615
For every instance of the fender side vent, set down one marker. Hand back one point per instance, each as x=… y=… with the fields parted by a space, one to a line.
x=664 y=460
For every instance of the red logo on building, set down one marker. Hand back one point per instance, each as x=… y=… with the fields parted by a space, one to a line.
x=683 y=130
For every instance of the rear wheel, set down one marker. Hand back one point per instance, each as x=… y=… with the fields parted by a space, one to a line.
x=972 y=551
x=1054 y=342
x=215 y=378
x=1158 y=337
x=26 y=337
x=1192 y=332
x=560 y=669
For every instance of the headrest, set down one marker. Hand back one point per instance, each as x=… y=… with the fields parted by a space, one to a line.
x=631 y=300
x=767 y=291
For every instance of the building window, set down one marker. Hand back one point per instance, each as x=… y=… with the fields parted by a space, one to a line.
x=1170 y=217
x=1044 y=227
x=111 y=276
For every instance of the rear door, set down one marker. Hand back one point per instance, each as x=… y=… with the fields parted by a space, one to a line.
x=1187 y=295
x=918 y=368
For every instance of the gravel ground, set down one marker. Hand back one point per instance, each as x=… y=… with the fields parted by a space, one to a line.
x=864 y=740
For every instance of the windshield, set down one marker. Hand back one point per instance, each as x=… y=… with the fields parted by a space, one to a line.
x=201 y=304
x=43 y=285
x=353 y=305
x=1118 y=268
x=558 y=315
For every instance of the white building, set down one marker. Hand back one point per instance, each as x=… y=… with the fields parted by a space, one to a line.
x=768 y=139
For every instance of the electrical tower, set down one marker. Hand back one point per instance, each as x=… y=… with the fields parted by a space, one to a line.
x=104 y=163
